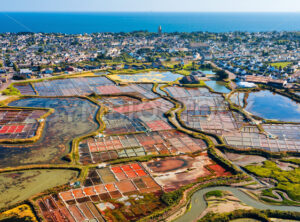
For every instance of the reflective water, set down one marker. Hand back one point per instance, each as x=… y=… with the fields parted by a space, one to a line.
x=149 y=77
x=73 y=117
x=207 y=71
x=269 y=105
x=217 y=86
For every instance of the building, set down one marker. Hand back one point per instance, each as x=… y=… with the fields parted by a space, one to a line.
x=189 y=80
x=159 y=30
x=25 y=73
x=266 y=80
x=246 y=85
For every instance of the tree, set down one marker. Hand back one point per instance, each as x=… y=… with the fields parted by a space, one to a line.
x=221 y=74
x=16 y=68
x=193 y=65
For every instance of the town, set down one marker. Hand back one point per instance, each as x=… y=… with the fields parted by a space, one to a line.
x=267 y=55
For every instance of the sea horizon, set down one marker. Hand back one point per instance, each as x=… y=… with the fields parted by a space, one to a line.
x=90 y=22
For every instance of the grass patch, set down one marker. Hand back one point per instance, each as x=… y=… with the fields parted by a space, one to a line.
x=183 y=72
x=277 y=65
x=20 y=213
x=18 y=186
x=11 y=91
x=214 y=193
x=288 y=181
x=295 y=161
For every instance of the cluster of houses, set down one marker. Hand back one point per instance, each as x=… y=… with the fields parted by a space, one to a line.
x=243 y=53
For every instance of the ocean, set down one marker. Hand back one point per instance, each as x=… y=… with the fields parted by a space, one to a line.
x=74 y=23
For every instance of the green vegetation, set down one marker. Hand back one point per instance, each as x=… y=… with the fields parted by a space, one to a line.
x=200 y=84
x=17 y=219
x=18 y=186
x=172 y=197
x=221 y=74
x=295 y=161
x=287 y=181
x=280 y=65
x=214 y=193
x=11 y=91
x=260 y=215
x=134 y=208
x=21 y=213
x=227 y=217
x=183 y=72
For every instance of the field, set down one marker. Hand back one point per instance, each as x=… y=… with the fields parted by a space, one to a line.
x=53 y=209
x=128 y=116
x=18 y=186
x=209 y=112
x=132 y=208
x=84 y=86
x=286 y=137
x=25 y=89
x=146 y=77
x=102 y=185
x=277 y=65
x=72 y=117
x=288 y=181
x=243 y=160
x=136 y=126
x=111 y=183
x=206 y=111
x=22 y=212
x=125 y=146
x=172 y=173
x=19 y=124
x=221 y=202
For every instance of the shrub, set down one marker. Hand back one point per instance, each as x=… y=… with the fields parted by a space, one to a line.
x=11 y=91
x=214 y=193
x=221 y=74
x=172 y=197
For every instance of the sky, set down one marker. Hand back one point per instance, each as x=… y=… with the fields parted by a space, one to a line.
x=151 y=5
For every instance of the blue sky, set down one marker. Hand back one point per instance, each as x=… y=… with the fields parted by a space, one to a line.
x=153 y=5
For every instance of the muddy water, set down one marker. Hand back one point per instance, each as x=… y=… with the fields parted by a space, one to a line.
x=73 y=117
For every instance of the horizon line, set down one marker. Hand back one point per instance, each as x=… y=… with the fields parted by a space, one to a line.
x=150 y=11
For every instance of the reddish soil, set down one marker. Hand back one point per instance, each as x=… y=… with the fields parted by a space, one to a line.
x=116 y=169
x=76 y=213
x=126 y=168
x=89 y=191
x=166 y=165
x=66 y=195
x=220 y=171
x=78 y=193
x=110 y=187
x=131 y=174
x=100 y=189
x=135 y=166
x=141 y=173
x=125 y=186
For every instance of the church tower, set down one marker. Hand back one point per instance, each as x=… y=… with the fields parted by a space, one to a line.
x=159 y=30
